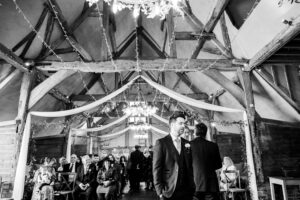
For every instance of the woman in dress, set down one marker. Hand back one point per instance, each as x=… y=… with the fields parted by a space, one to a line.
x=43 y=180
x=228 y=174
x=108 y=181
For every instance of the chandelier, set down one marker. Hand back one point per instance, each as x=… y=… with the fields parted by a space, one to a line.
x=140 y=127
x=139 y=108
x=140 y=136
x=151 y=8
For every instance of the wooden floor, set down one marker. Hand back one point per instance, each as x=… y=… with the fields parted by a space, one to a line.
x=142 y=195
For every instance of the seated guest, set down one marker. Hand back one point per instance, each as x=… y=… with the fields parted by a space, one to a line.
x=86 y=183
x=108 y=181
x=228 y=174
x=43 y=182
x=147 y=170
x=123 y=173
x=73 y=165
x=62 y=162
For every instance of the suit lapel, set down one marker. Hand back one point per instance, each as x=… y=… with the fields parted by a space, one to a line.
x=171 y=146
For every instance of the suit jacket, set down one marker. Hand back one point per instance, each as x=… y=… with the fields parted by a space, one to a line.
x=166 y=166
x=206 y=160
x=136 y=159
x=66 y=167
x=90 y=177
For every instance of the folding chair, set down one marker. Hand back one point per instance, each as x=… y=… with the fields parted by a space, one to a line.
x=67 y=184
x=232 y=191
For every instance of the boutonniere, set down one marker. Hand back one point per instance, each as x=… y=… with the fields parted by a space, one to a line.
x=187 y=145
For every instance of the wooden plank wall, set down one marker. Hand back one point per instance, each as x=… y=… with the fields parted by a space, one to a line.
x=280 y=150
x=51 y=147
x=8 y=150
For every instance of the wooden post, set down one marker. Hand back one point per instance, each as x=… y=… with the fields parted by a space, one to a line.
x=250 y=109
x=89 y=140
x=150 y=138
x=127 y=139
x=23 y=100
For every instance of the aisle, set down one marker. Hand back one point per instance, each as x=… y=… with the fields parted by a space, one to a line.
x=142 y=195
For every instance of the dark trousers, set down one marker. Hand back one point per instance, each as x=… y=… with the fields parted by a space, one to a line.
x=206 y=196
x=88 y=194
x=134 y=178
x=180 y=194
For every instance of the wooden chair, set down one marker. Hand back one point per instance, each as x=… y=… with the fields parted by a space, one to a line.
x=232 y=191
x=67 y=184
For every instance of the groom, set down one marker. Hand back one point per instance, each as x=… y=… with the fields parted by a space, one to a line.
x=172 y=164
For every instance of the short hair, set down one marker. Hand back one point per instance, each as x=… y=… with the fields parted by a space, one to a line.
x=176 y=115
x=201 y=130
x=137 y=147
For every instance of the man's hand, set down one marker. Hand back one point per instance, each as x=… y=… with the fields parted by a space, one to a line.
x=161 y=197
x=106 y=183
x=82 y=186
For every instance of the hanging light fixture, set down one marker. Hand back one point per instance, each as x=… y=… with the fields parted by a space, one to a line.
x=139 y=108
x=151 y=8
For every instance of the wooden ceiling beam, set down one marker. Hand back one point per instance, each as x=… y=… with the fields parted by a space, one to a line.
x=189 y=84
x=170 y=29
x=225 y=33
x=147 y=37
x=12 y=58
x=125 y=44
x=228 y=85
x=102 y=84
x=210 y=25
x=130 y=65
x=44 y=87
x=276 y=43
x=72 y=28
x=57 y=13
x=11 y=77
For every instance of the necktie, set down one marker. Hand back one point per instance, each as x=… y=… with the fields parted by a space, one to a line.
x=71 y=166
x=178 y=145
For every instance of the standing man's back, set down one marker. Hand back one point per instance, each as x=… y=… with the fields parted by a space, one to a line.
x=206 y=160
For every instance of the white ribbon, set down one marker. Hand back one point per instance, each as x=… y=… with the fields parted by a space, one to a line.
x=102 y=127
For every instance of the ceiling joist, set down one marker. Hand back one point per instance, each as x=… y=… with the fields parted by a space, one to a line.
x=210 y=25
x=130 y=65
x=12 y=58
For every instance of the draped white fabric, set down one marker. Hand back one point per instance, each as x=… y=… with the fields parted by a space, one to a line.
x=86 y=107
x=158 y=130
x=161 y=119
x=102 y=127
x=250 y=160
x=188 y=100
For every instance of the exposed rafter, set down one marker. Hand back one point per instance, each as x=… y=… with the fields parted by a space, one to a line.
x=130 y=65
x=65 y=28
x=12 y=58
x=277 y=42
x=72 y=28
x=210 y=25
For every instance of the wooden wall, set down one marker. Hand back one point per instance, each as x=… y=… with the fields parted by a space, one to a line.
x=280 y=145
x=49 y=146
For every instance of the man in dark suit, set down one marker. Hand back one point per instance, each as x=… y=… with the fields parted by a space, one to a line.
x=72 y=166
x=206 y=160
x=136 y=159
x=172 y=163
x=86 y=180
